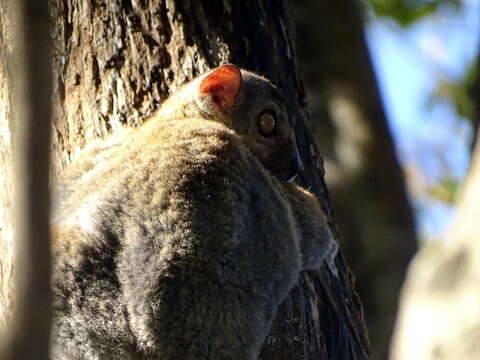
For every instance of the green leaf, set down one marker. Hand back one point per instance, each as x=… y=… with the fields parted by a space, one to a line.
x=406 y=12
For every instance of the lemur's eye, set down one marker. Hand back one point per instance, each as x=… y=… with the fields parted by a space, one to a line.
x=266 y=123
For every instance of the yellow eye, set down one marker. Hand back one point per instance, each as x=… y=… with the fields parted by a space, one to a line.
x=266 y=123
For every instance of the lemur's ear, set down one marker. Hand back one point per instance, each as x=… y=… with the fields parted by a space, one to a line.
x=222 y=85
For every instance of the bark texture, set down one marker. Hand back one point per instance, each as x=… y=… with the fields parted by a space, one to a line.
x=370 y=200
x=116 y=61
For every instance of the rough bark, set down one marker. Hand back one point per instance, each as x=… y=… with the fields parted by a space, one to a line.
x=116 y=61
x=370 y=200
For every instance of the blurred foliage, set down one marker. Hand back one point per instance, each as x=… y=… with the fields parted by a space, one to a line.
x=459 y=92
x=406 y=12
x=444 y=190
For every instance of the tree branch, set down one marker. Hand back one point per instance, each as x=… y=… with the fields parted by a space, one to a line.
x=28 y=336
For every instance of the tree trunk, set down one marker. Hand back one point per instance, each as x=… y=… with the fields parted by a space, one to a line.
x=6 y=167
x=29 y=106
x=116 y=61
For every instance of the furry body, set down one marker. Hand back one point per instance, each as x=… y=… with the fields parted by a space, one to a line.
x=179 y=243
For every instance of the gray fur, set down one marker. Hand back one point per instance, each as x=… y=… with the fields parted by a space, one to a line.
x=183 y=241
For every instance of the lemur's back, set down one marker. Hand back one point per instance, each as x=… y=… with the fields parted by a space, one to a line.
x=181 y=241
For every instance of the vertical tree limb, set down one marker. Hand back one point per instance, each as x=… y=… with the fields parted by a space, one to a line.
x=6 y=168
x=440 y=314
x=28 y=335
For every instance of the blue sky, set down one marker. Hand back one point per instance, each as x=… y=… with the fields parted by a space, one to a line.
x=432 y=141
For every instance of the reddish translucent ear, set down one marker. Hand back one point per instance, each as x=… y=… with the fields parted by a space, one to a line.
x=222 y=85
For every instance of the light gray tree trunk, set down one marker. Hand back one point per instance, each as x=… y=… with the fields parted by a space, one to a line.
x=27 y=127
x=6 y=166
x=439 y=315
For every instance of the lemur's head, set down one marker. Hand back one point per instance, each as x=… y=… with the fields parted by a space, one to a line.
x=255 y=109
